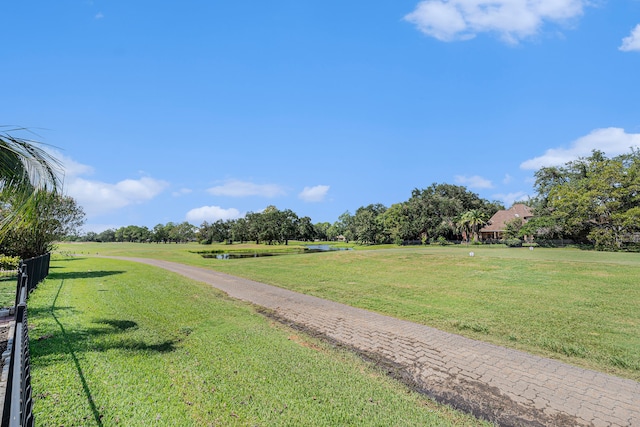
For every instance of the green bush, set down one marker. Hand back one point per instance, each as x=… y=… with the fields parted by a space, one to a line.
x=9 y=262
x=513 y=243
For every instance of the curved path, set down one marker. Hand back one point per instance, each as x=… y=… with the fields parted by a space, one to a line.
x=509 y=387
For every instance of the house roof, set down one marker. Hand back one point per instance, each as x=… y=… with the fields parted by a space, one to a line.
x=498 y=220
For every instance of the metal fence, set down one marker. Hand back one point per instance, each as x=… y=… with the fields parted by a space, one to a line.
x=18 y=402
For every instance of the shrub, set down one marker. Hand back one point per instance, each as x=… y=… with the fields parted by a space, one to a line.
x=513 y=243
x=8 y=263
x=442 y=241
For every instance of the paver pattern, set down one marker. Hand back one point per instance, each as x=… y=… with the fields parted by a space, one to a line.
x=508 y=387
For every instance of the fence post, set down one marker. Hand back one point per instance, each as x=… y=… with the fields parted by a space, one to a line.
x=22 y=281
x=18 y=401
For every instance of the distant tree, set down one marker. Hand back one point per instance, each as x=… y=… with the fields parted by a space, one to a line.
x=160 y=233
x=542 y=228
x=345 y=226
x=369 y=225
x=437 y=210
x=108 y=235
x=320 y=230
x=306 y=230
x=512 y=228
x=133 y=233
x=398 y=223
x=270 y=225
x=240 y=230
x=254 y=227
x=333 y=232
x=477 y=219
x=90 y=236
x=289 y=225
x=471 y=221
x=184 y=232
x=51 y=218
x=219 y=231
x=593 y=200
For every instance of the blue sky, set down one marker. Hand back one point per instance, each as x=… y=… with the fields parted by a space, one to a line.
x=206 y=110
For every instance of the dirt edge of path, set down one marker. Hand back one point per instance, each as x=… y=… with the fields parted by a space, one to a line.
x=480 y=400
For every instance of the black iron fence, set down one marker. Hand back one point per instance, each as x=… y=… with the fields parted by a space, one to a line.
x=18 y=403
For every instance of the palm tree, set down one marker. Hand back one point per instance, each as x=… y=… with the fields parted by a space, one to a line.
x=471 y=221
x=25 y=169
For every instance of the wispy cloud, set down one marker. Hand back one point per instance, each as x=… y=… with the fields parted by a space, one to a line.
x=182 y=192
x=611 y=141
x=509 y=198
x=314 y=194
x=450 y=20
x=71 y=168
x=211 y=214
x=473 y=181
x=632 y=42
x=236 y=188
x=99 y=15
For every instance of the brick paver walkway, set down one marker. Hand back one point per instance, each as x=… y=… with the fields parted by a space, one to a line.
x=506 y=386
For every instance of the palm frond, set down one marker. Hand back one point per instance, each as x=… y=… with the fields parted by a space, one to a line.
x=25 y=168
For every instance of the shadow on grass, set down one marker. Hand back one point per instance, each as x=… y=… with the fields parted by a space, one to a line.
x=100 y=338
x=68 y=259
x=122 y=325
x=83 y=274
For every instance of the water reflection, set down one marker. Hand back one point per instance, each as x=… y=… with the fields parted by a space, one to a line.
x=306 y=250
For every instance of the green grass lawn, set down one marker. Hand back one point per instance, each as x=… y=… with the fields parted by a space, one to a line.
x=8 y=290
x=122 y=343
x=582 y=307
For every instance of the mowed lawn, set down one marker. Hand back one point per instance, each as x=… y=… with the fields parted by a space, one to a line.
x=582 y=307
x=121 y=343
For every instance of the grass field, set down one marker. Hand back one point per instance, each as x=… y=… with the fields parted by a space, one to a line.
x=582 y=307
x=121 y=343
x=8 y=290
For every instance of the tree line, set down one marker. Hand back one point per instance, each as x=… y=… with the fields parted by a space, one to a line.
x=441 y=211
x=593 y=200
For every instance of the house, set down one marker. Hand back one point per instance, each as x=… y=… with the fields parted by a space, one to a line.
x=494 y=229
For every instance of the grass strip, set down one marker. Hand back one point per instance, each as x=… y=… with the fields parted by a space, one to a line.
x=577 y=306
x=120 y=343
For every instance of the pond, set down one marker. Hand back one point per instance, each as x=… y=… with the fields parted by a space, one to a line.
x=310 y=249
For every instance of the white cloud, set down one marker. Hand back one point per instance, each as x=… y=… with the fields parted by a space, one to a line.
x=100 y=197
x=99 y=15
x=612 y=141
x=67 y=167
x=449 y=20
x=314 y=194
x=211 y=214
x=236 y=188
x=473 y=181
x=72 y=168
x=507 y=179
x=97 y=197
x=509 y=198
x=632 y=42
